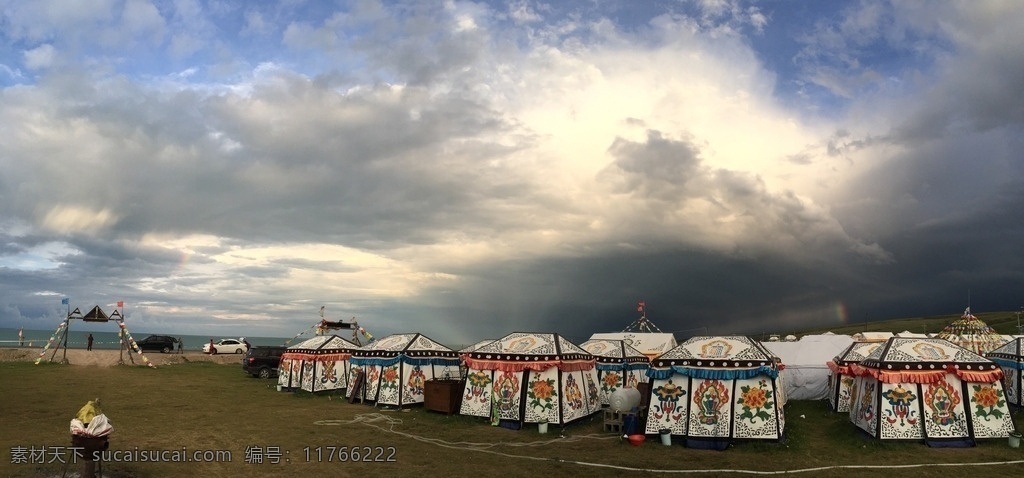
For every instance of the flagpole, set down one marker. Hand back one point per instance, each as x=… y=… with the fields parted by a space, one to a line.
x=67 y=328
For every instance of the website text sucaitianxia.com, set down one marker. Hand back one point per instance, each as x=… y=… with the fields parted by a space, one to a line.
x=71 y=454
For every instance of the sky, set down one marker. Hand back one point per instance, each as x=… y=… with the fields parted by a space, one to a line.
x=467 y=170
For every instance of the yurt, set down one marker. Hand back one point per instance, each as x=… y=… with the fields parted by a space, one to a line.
x=929 y=389
x=840 y=379
x=1010 y=358
x=317 y=364
x=393 y=370
x=713 y=389
x=619 y=365
x=972 y=334
x=530 y=377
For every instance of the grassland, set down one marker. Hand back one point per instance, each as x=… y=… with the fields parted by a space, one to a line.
x=1003 y=322
x=207 y=406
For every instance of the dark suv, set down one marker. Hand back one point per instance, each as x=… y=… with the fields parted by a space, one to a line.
x=163 y=343
x=262 y=361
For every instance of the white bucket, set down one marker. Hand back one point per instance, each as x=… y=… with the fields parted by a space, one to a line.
x=542 y=427
x=278 y=388
x=1014 y=440
x=666 y=437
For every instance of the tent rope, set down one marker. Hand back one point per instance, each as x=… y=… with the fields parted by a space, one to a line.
x=388 y=424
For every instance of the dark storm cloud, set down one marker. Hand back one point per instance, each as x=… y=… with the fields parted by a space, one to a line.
x=466 y=170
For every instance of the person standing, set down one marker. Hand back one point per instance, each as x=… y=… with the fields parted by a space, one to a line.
x=213 y=350
x=21 y=336
x=88 y=340
x=181 y=346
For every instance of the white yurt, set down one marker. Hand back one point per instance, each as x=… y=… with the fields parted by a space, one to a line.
x=529 y=377
x=1010 y=358
x=929 y=389
x=713 y=389
x=317 y=364
x=840 y=379
x=394 y=370
x=619 y=365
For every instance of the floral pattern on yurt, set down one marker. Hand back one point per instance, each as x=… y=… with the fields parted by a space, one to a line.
x=530 y=377
x=840 y=379
x=1010 y=359
x=619 y=365
x=718 y=388
x=913 y=388
x=317 y=364
x=395 y=368
x=972 y=334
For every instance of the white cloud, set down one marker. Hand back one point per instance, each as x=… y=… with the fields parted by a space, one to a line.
x=40 y=57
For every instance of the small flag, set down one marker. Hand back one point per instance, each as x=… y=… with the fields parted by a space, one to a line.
x=640 y=306
x=120 y=303
x=65 y=301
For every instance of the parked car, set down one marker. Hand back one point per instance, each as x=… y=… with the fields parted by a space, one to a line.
x=263 y=361
x=163 y=343
x=227 y=346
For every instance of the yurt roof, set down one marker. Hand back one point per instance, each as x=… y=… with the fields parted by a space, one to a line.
x=1012 y=350
x=650 y=343
x=734 y=351
x=411 y=345
x=871 y=336
x=856 y=352
x=324 y=342
x=915 y=353
x=531 y=346
x=475 y=346
x=617 y=351
x=971 y=333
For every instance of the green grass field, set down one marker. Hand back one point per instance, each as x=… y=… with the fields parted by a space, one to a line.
x=210 y=407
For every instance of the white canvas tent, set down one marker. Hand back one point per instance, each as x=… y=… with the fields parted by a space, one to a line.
x=618 y=365
x=806 y=374
x=530 y=377
x=394 y=370
x=929 y=389
x=651 y=344
x=713 y=389
x=1010 y=358
x=317 y=364
x=840 y=378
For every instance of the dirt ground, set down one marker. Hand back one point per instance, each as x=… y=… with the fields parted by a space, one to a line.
x=109 y=358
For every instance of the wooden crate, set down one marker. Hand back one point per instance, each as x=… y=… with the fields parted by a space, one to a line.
x=443 y=395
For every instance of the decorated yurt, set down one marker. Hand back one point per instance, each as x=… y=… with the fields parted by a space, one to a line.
x=531 y=377
x=1010 y=358
x=394 y=370
x=619 y=365
x=972 y=334
x=929 y=389
x=713 y=389
x=840 y=379
x=317 y=364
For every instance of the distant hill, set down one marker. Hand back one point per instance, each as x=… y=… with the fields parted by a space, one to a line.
x=1003 y=322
